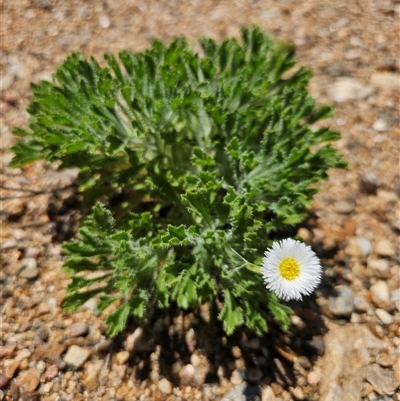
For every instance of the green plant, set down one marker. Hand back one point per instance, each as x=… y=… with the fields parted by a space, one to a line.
x=200 y=161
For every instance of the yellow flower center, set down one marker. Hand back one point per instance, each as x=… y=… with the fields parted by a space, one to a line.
x=289 y=268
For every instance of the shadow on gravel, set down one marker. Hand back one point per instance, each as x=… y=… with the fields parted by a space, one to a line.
x=187 y=350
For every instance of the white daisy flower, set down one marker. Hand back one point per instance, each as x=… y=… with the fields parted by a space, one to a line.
x=291 y=269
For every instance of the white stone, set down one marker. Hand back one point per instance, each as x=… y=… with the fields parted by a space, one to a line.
x=343 y=303
x=314 y=377
x=187 y=373
x=365 y=246
x=41 y=366
x=379 y=267
x=76 y=356
x=385 y=317
x=165 y=386
x=384 y=248
x=133 y=340
x=346 y=88
x=267 y=394
x=104 y=21
x=395 y=295
x=380 y=125
x=29 y=269
x=380 y=294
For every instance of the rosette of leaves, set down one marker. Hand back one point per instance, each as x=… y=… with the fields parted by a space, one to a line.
x=200 y=161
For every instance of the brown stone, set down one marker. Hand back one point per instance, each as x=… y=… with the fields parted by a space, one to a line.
x=10 y=368
x=29 y=380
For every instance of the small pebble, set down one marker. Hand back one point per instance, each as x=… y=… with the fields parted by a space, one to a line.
x=133 y=340
x=190 y=339
x=384 y=248
x=41 y=366
x=236 y=352
x=395 y=295
x=314 y=377
x=76 y=356
x=343 y=304
x=4 y=380
x=104 y=21
x=369 y=183
x=103 y=346
x=298 y=322
x=31 y=252
x=29 y=269
x=380 y=294
x=11 y=367
x=43 y=333
x=47 y=387
x=29 y=380
x=384 y=316
x=165 y=386
x=379 y=268
x=297 y=393
x=25 y=353
x=360 y=303
x=24 y=364
x=365 y=246
x=380 y=125
x=51 y=372
x=195 y=360
x=187 y=374
x=344 y=206
x=267 y=394
x=346 y=88
x=79 y=329
x=9 y=243
x=122 y=357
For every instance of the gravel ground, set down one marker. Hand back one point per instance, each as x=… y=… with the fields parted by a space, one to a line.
x=344 y=342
